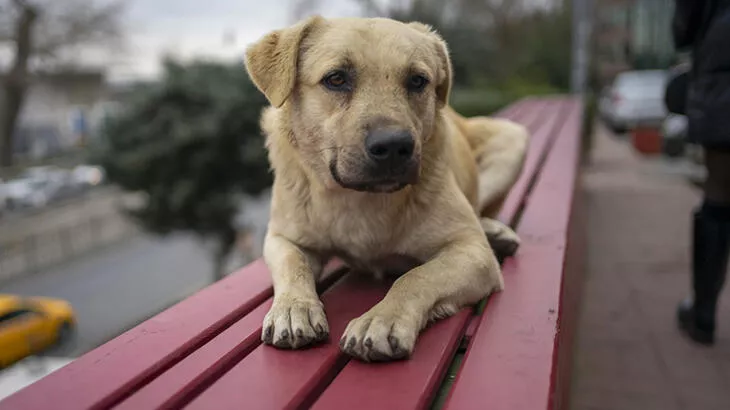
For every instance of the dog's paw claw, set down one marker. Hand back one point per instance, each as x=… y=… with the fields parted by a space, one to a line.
x=291 y=325
x=375 y=337
x=504 y=248
x=268 y=336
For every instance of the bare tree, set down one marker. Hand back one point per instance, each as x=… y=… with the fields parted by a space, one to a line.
x=40 y=33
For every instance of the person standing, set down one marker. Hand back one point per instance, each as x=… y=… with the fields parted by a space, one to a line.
x=703 y=27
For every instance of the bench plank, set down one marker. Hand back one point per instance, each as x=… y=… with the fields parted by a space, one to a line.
x=196 y=371
x=510 y=361
x=436 y=346
x=179 y=384
x=515 y=109
x=543 y=110
x=205 y=352
x=270 y=378
x=106 y=375
x=371 y=386
x=364 y=386
x=103 y=376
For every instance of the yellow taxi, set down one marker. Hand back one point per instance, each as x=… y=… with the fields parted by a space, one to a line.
x=29 y=325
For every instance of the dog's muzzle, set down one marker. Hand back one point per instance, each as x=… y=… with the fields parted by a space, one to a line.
x=391 y=163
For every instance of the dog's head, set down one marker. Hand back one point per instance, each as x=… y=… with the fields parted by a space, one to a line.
x=362 y=95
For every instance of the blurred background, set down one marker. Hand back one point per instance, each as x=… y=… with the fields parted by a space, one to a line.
x=132 y=168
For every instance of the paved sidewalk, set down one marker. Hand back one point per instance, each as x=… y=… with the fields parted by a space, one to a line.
x=629 y=354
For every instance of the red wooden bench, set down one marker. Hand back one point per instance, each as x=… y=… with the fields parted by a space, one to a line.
x=205 y=352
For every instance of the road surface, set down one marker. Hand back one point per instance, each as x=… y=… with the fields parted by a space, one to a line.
x=115 y=288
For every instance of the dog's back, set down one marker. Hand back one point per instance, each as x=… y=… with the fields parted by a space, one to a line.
x=488 y=158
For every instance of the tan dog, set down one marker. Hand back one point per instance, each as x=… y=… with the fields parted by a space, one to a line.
x=372 y=166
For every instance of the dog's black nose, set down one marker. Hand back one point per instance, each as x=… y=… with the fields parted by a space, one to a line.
x=389 y=147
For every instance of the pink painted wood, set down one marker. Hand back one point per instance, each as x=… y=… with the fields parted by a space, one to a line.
x=105 y=375
x=188 y=377
x=371 y=386
x=205 y=352
x=511 y=360
x=547 y=111
x=184 y=380
x=278 y=379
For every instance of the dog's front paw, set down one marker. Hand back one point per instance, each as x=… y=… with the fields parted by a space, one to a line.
x=381 y=335
x=293 y=323
x=503 y=240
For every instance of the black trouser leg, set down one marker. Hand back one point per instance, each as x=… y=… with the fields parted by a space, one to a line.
x=712 y=244
x=711 y=247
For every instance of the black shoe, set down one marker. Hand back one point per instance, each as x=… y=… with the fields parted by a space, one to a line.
x=704 y=335
x=710 y=249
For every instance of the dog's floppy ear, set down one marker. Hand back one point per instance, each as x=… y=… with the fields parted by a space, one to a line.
x=443 y=85
x=271 y=62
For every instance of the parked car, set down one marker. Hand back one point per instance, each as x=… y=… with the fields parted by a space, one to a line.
x=88 y=175
x=30 y=325
x=61 y=184
x=634 y=98
x=24 y=193
x=39 y=186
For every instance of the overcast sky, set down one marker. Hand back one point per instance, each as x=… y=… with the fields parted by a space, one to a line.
x=189 y=28
x=218 y=29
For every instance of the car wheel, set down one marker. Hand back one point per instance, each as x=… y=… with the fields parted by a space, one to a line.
x=618 y=129
x=65 y=333
x=674 y=147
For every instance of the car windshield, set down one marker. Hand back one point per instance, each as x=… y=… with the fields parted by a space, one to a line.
x=647 y=84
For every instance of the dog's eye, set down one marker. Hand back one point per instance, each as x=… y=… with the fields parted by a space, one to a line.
x=336 y=80
x=417 y=83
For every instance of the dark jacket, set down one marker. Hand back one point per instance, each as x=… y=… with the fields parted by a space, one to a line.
x=704 y=26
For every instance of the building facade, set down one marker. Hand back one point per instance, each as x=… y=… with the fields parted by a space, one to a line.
x=632 y=34
x=58 y=112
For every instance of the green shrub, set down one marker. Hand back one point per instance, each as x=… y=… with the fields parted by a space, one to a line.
x=192 y=144
x=473 y=102
x=486 y=99
x=517 y=87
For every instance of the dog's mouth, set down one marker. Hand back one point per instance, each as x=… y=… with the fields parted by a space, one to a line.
x=376 y=185
x=385 y=187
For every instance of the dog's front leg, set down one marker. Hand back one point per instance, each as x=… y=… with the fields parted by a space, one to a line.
x=297 y=317
x=461 y=273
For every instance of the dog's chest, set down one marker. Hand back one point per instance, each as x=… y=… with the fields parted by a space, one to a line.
x=386 y=265
x=362 y=235
x=366 y=236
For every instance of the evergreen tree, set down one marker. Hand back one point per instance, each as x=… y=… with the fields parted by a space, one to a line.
x=192 y=144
